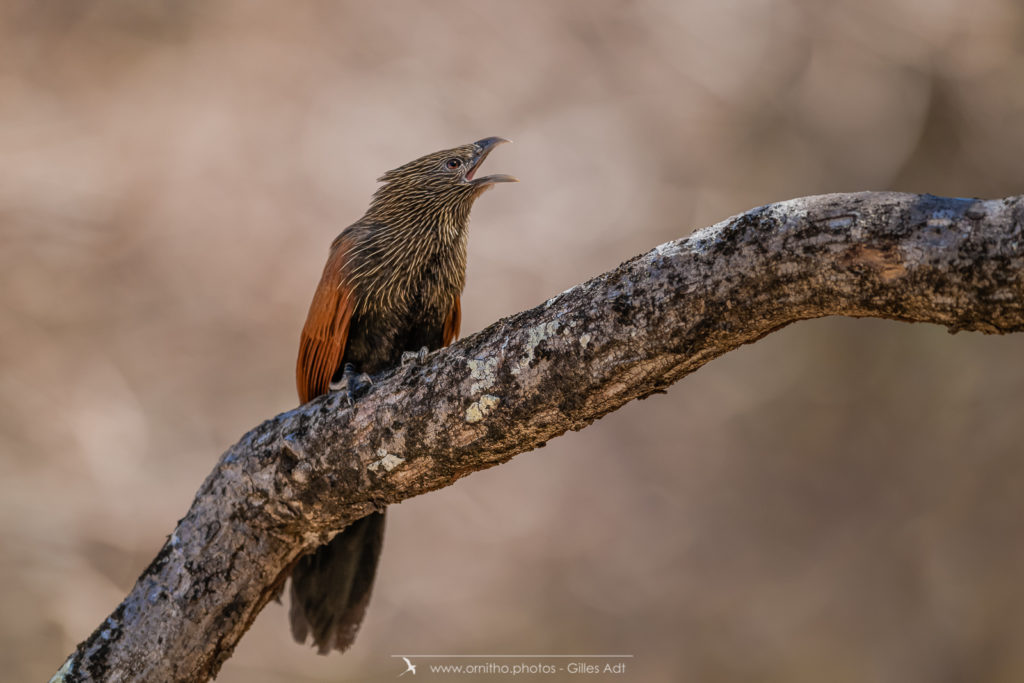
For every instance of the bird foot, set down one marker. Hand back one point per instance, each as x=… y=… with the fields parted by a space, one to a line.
x=419 y=357
x=353 y=384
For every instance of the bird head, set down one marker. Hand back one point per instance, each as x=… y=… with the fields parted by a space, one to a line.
x=446 y=178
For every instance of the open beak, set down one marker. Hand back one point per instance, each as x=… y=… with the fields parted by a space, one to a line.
x=485 y=146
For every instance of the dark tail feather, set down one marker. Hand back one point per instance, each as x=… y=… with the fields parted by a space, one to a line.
x=331 y=586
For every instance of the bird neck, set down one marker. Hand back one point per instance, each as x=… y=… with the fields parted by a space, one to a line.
x=422 y=212
x=399 y=253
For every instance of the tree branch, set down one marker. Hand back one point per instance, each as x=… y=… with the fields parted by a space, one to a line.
x=297 y=478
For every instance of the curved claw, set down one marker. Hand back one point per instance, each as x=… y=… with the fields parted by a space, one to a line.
x=353 y=384
x=419 y=357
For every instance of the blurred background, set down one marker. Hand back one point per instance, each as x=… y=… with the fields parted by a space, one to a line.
x=842 y=501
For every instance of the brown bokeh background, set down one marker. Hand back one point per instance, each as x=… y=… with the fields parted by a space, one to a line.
x=842 y=501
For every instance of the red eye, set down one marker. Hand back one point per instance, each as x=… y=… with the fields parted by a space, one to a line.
x=453 y=164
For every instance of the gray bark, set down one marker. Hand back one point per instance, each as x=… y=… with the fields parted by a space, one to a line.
x=298 y=477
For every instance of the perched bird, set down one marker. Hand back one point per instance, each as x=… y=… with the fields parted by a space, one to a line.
x=391 y=286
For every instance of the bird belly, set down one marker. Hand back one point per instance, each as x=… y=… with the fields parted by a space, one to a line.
x=377 y=339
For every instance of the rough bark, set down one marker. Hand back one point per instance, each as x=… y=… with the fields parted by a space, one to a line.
x=292 y=481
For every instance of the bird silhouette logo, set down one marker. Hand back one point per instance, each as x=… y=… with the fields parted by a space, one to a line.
x=410 y=667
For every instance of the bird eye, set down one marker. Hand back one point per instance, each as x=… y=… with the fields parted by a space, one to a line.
x=453 y=164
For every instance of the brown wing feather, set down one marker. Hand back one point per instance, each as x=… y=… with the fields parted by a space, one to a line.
x=322 y=343
x=452 y=323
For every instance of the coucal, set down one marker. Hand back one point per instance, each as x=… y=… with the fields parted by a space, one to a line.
x=391 y=286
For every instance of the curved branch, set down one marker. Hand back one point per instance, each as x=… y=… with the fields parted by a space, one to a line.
x=297 y=478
